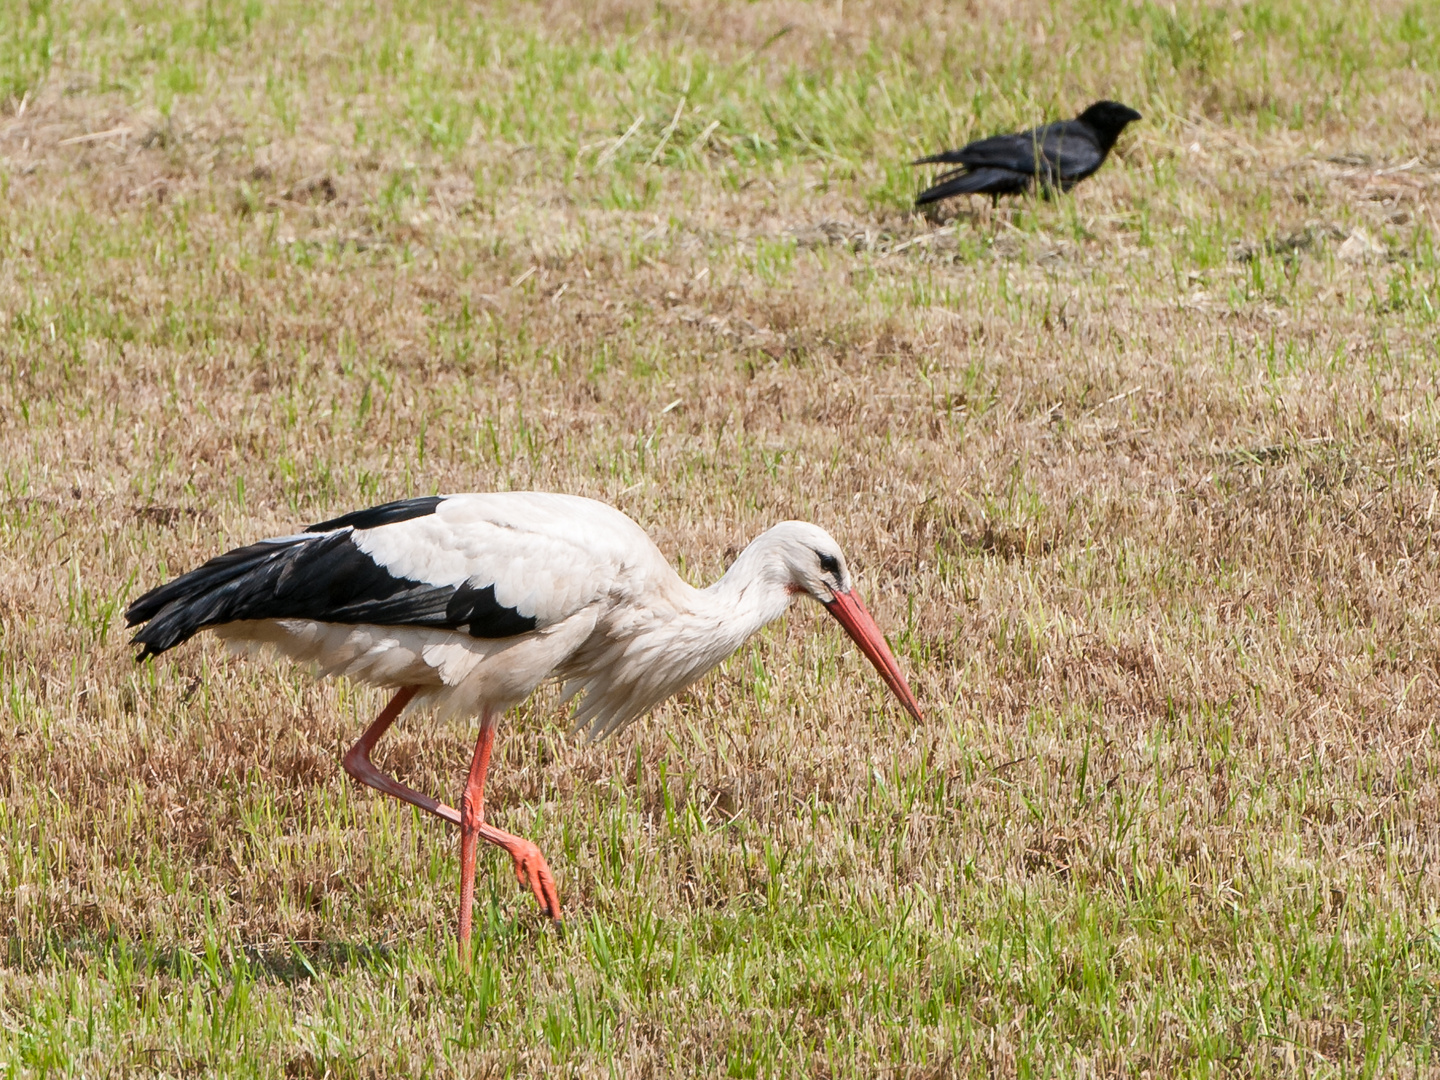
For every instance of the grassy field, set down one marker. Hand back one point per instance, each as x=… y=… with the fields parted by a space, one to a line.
x=1142 y=483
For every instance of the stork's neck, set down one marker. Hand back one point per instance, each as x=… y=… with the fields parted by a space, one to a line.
x=755 y=590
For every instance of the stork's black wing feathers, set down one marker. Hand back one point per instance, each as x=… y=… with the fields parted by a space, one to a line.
x=214 y=575
x=385 y=514
x=483 y=615
x=326 y=578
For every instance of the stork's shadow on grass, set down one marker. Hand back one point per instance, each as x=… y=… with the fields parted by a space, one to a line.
x=290 y=963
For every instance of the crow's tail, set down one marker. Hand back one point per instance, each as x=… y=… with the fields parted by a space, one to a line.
x=979 y=181
x=945 y=157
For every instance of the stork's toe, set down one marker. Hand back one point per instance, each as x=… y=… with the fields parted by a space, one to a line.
x=534 y=872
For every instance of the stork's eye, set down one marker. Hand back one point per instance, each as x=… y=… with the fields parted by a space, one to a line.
x=829 y=564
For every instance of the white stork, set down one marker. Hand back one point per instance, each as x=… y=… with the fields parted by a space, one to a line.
x=470 y=602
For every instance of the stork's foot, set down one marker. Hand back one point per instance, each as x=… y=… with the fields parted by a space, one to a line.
x=533 y=871
x=530 y=866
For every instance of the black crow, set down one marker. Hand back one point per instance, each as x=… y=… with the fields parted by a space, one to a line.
x=1060 y=154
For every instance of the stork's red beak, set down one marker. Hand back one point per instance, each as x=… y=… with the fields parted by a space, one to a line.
x=849 y=611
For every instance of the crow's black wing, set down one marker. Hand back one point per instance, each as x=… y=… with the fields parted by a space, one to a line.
x=1013 y=152
x=1060 y=154
x=1063 y=142
x=1070 y=152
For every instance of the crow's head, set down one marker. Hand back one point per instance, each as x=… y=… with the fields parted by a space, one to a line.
x=1108 y=119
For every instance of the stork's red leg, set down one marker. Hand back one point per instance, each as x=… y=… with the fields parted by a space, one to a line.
x=358 y=764
x=530 y=865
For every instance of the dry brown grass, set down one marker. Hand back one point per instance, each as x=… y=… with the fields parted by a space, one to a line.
x=1143 y=483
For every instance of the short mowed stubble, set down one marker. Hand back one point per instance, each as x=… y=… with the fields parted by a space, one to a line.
x=1143 y=482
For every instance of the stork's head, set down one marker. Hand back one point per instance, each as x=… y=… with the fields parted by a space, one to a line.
x=804 y=558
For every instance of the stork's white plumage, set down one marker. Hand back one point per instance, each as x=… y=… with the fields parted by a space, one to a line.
x=472 y=601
